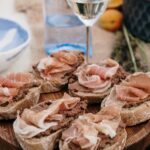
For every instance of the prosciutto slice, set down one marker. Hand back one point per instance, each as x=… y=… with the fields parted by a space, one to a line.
x=84 y=131
x=50 y=65
x=31 y=123
x=10 y=85
x=59 y=64
x=112 y=101
x=8 y=91
x=93 y=82
x=134 y=89
x=106 y=71
x=139 y=80
x=16 y=80
x=67 y=57
x=130 y=94
x=97 y=77
x=21 y=77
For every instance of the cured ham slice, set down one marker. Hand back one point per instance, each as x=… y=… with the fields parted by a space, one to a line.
x=51 y=65
x=28 y=130
x=31 y=123
x=16 y=80
x=9 y=83
x=8 y=91
x=130 y=94
x=95 y=76
x=139 y=80
x=84 y=131
x=12 y=83
x=67 y=57
x=92 y=82
x=105 y=72
x=20 y=77
x=134 y=89
x=81 y=133
x=58 y=62
x=112 y=101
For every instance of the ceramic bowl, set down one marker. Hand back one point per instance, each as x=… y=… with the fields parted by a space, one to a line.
x=13 y=40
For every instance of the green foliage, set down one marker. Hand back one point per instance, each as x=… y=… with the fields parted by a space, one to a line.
x=125 y=52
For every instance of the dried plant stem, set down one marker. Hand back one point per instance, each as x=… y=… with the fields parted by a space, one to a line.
x=140 y=45
x=130 y=48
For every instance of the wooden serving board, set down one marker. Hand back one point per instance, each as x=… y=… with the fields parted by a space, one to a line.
x=136 y=134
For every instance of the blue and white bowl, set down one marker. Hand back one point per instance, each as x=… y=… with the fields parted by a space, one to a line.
x=13 y=40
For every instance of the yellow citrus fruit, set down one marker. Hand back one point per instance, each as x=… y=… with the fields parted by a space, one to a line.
x=115 y=3
x=111 y=20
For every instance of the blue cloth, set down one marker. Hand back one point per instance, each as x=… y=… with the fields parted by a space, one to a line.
x=51 y=48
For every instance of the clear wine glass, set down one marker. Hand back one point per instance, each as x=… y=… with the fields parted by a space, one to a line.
x=88 y=11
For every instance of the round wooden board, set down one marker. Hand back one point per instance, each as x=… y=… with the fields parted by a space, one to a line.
x=8 y=141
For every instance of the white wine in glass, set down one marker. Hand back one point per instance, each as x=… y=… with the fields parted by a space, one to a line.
x=88 y=11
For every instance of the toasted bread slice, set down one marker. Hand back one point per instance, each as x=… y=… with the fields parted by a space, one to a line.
x=60 y=79
x=91 y=97
x=101 y=131
x=136 y=114
x=30 y=99
x=117 y=143
x=95 y=97
x=133 y=114
x=43 y=143
x=47 y=138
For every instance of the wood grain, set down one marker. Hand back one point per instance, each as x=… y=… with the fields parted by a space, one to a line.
x=138 y=136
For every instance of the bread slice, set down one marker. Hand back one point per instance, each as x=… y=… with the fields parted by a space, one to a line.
x=95 y=97
x=117 y=143
x=55 y=85
x=136 y=114
x=43 y=143
x=131 y=114
x=30 y=99
x=101 y=131
x=47 y=139
x=50 y=86
x=92 y=98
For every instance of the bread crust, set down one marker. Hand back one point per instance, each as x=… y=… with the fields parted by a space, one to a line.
x=119 y=145
x=44 y=143
x=50 y=86
x=136 y=115
x=92 y=98
x=10 y=111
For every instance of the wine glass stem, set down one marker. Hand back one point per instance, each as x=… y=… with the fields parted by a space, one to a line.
x=87 y=43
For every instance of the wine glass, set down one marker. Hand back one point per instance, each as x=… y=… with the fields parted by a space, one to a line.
x=88 y=11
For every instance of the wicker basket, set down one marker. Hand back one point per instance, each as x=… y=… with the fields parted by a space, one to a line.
x=137 y=18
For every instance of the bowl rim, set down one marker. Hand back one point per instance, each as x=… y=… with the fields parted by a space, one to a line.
x=20 y=46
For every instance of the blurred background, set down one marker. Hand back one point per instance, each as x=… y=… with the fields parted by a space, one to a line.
x=52 y=25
